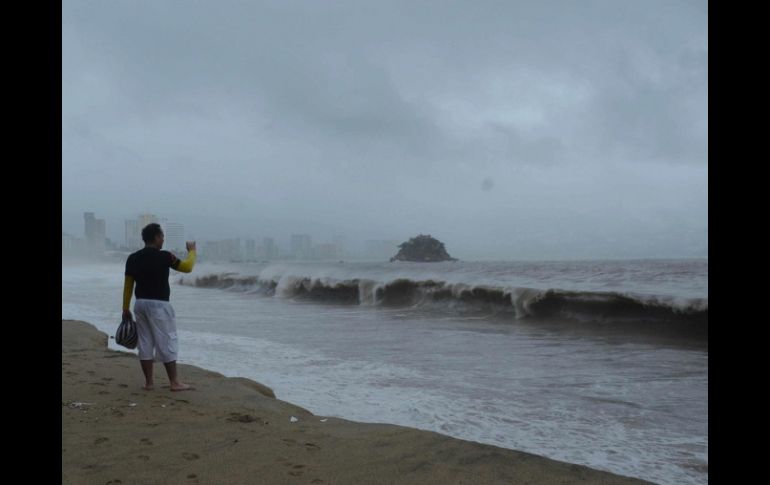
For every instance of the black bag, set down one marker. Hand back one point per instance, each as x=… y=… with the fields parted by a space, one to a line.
x=126 y=334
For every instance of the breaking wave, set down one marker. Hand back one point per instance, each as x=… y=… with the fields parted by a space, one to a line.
x=441 y=296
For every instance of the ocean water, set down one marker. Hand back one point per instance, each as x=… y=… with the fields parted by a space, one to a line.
x=601 y=363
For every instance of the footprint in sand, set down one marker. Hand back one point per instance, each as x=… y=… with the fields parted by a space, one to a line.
x=143 y=457
x=297 y=473
x=245 y=418
x=312 y=447
x=146 y=441
x=190 y=456
x=106 y=378
x=289 y=441
x=103 y=392
x=122 y=385
x=113 y=482
x=101 y=440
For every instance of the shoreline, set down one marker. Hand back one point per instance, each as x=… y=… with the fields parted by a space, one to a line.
x=234 y=430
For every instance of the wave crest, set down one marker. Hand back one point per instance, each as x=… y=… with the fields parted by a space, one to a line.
x=461 y=297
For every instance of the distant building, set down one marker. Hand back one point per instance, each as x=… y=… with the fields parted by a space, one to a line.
x=174 y=236
x=268 y=250
x=224 y=250
x=67 y=241
x=90 y=221
x=250 y=250
x=71 y=245
x=100 y=239
x=133 y=235
x=145 y=219
x=134 y=230
x=339 y=243
x=325 y=251
x=95 y=232
x=301 y=246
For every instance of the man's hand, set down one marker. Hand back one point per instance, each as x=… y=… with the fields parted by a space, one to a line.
x=127 y=314
x=190 y=246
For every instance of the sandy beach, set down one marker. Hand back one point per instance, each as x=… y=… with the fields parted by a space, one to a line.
x=235 y=431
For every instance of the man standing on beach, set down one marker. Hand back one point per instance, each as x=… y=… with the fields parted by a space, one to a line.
x=155 y=318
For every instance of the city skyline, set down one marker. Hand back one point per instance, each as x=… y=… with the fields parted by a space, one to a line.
x=301 y=246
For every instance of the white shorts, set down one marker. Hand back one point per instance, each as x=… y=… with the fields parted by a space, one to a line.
x=156 y=329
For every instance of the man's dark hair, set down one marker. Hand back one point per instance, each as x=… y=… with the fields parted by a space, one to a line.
x=150 y=231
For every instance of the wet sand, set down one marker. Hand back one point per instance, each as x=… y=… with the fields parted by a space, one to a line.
x=234 y=431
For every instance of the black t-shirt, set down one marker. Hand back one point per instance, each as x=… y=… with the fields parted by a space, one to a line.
x=149 y=268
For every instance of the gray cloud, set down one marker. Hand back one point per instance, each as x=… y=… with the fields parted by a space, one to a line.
x=382 y=119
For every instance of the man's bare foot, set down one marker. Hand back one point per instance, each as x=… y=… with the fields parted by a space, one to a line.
x=148 y=387
x=181 y=387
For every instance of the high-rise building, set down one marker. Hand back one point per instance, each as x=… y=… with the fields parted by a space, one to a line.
x=301 y=246
x=101 y=233
x=95 y=232
x=339 y=243
x=67 y=242
x=224 y=250
x=141 y=222
x=325 y=251
x=250 y=250
x=145 y=219
x=72 y=245
x=174 y=236
x=133 y=235
x=268 y=250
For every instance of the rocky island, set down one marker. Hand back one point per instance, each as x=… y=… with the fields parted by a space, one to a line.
x=422 y=249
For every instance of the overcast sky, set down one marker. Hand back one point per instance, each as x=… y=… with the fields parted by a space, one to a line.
x=507 y=129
